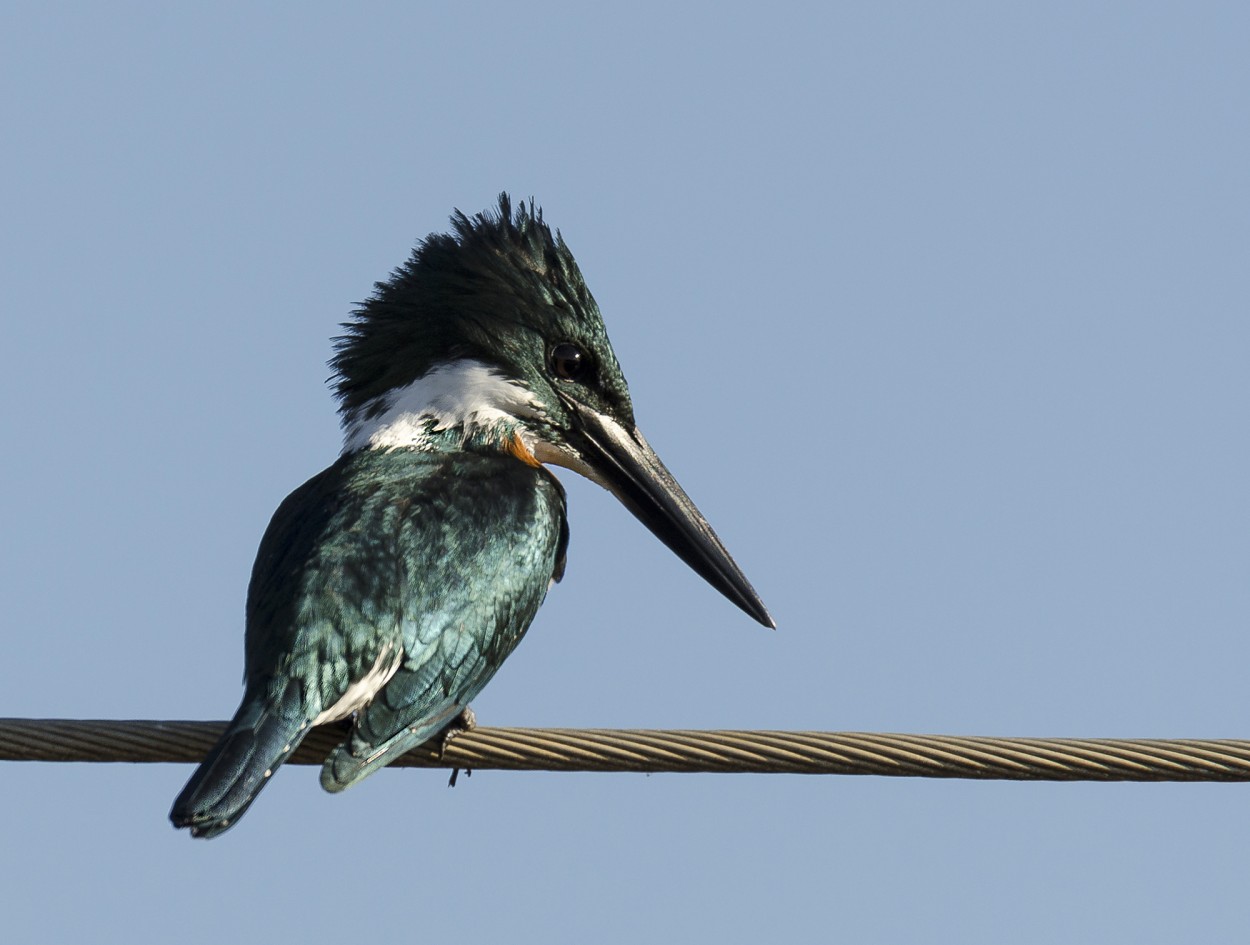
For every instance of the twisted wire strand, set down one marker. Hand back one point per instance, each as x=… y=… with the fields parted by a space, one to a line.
x=770 y=752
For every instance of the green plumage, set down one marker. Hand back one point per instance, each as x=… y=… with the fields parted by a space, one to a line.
x=441 y=557
x=446 y=556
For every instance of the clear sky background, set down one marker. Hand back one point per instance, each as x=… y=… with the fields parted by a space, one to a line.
x=940 y=312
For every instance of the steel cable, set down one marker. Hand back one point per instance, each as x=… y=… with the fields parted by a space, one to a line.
x=557 y=749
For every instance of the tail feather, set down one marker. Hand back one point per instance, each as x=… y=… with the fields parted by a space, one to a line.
x=259 y=738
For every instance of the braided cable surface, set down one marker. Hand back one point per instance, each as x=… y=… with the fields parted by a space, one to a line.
x=650 y=750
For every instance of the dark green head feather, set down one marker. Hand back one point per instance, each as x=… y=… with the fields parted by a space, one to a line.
x=501 y=289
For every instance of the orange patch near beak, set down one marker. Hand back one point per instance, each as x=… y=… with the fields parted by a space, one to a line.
x=516 y=446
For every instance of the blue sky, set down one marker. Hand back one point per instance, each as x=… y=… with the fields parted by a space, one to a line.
x=940 y=315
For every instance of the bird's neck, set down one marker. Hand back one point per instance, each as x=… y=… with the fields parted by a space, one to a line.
x=456 y=405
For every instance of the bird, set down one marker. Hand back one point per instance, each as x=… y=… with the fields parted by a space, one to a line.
x=390 y=587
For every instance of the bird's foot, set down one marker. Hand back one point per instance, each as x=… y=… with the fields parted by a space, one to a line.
x=466 y=721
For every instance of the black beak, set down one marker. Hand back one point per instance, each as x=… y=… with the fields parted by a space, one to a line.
x=623 y=462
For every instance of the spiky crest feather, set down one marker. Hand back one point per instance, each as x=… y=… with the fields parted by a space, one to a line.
x=494 y=288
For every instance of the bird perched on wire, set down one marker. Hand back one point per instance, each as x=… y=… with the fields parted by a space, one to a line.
x=389 y=588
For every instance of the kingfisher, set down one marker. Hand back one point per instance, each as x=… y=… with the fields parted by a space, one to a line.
x=389 y=588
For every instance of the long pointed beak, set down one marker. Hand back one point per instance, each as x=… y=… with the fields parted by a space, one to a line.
x=622 y=461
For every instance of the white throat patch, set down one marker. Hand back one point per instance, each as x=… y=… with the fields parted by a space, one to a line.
x=464 y=393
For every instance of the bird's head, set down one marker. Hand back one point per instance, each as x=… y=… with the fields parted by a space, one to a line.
x=487 y=338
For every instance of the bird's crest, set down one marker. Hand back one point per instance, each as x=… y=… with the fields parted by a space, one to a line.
x=482 y=291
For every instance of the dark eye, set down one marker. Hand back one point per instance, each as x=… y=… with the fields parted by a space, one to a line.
x=568 y=361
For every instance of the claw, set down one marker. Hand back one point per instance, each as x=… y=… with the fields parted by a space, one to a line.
x=466 y=721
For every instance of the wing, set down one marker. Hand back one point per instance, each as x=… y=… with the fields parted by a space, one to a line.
x=479 y=552
x=313 y=637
